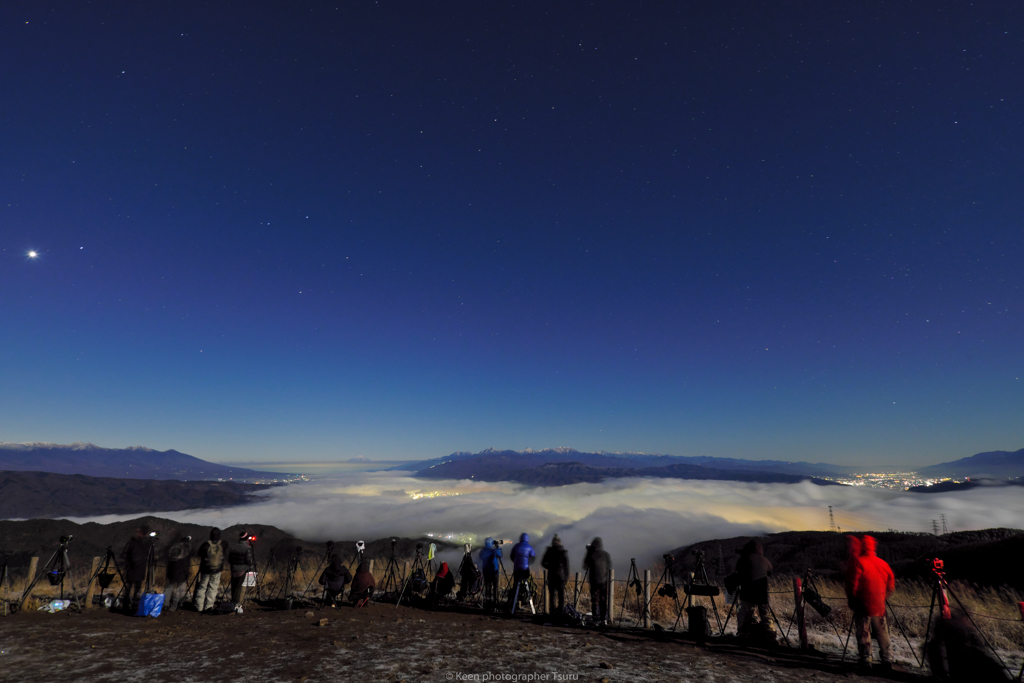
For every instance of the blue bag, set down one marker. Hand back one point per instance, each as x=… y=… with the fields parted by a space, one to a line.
x=150 y=605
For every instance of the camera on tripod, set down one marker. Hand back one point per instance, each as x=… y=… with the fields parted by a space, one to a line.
x=361 y=546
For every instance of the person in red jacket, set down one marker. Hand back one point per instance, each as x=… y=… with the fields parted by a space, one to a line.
x=870 y=584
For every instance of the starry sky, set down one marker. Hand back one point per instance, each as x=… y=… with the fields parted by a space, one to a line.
x=311 y=231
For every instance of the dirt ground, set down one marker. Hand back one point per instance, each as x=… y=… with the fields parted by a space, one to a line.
x=376 y=643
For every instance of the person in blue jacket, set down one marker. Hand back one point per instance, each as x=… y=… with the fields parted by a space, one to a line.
x=490 y=566
x=523 y=555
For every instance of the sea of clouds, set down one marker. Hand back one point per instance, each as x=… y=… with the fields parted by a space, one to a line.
x=636 y=518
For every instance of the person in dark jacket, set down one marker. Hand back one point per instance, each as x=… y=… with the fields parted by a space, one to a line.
x=241 y=560
x=871 y=583
x=363 y=584
x=177 y=572
x=753 y=570
x=523 y=556
x=136 y=562
x=211 y=563
x=598 y=564
x=490 y=566
x=556 y=561
x=333 y=579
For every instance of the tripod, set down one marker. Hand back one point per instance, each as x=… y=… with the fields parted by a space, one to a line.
x=811 y=596
x=701 y=585
x=57 y=568
x=632 y=581
x=940 y=593
x=578 y=589
x=104 y=576
x=326 y=558
x=667 y=590
x=391 y=580
x=416 y=564
x=524 y=585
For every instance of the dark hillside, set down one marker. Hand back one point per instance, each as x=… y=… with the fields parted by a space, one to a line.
x=24 y=495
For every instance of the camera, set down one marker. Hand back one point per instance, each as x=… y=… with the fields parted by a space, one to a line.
x=498 y=542
x=700 y=555
x=394 y=542
x=64 y=540
x=935 y=564
x=670 y=559
x=189 y=538
x=360 y=546
x=152 y=534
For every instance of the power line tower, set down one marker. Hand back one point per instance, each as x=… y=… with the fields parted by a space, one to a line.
x=935 y=527
x=945 y=529
x=832 y=520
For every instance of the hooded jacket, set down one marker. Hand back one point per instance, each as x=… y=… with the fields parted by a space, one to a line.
x=444 y=580
x=490 y=558
x=363 y=580
x=335 y=576
x=556 y=561
x=178 y=561
x=523 y=553
x=753 y=569
x=871 y=582
x=598 y=563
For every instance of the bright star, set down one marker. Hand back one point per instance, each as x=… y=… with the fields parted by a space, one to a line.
x=32 y=254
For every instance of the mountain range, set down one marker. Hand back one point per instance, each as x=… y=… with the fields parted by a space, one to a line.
x=562 y=466
x=988 y=465
x=136 y=462
x=492 y=459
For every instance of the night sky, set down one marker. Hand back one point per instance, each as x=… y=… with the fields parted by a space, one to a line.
x=400 y=229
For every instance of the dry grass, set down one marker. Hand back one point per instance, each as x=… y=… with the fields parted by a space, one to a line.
x=910 y=601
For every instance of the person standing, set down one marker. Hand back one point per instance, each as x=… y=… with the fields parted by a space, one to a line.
x=556 y=561
x=598 y=565
x=490 y=566
x=870 y=585
x=523 y=555
x=177 y=572
x=211 y=563
x=136 y=563
x=754 y=569
x=240 y=559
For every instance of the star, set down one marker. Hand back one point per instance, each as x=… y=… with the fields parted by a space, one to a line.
x=33 y=254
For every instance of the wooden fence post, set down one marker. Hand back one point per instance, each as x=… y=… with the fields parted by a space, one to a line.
x=798 y=607
x=647 y=598
x=92 y=584
x=611 y=597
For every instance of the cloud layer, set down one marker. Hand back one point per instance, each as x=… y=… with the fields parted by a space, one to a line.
x=641 y=518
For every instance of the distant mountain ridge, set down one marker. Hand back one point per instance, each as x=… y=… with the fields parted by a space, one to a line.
x=991 y=464
x=134 y=462
x=565 y=473
x=491 y=463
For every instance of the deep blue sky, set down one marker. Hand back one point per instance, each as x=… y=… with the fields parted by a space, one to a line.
x=396 y=229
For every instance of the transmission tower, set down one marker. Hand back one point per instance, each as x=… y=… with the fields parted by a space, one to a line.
x=832 y=520
x=935 y=527
x=945 y=529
